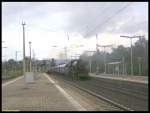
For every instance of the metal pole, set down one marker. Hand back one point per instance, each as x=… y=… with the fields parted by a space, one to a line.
x=16 y=56
x=140 y=68
x=108 y=68
x=30 y=60
x=131 y=59
x=33 y=61
x=96 y=43
x=131 y=50
x=123 y=66
x=16 y=62
x=105 y=60
x=6 y=68
x=139 y=65
x=30 y=57
x=118 y=69
x=90 y=60
x=97 y=67
x=65 y=48
x=113 y=69
x=105 y=55
x=90 y=65
x=24 y=65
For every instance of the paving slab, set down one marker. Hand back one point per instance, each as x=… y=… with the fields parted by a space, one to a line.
x=42 y=95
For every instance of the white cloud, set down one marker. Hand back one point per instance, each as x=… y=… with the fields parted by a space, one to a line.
x=47 y=24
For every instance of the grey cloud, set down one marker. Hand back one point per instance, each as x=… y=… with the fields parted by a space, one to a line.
x=132 y=23
x=86 y=18
x=89 y=20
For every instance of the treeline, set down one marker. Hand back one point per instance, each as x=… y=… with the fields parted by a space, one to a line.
x=140 y=61
x=120 y=54
x=11 y=68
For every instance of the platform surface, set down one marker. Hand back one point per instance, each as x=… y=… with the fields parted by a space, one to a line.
x=138 y=79
x=42 y=95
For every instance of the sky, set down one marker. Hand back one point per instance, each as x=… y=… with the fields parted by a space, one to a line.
x=69 y=24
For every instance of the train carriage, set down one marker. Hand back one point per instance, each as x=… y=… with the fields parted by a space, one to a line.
x=72 y=68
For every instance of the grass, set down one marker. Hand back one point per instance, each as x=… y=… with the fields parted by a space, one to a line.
x=11 y=74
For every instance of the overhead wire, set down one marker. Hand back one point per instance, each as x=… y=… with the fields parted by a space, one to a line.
x=89 y=22
x=110 y=18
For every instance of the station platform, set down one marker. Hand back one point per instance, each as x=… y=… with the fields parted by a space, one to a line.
x=41 y=95
x=138 y=79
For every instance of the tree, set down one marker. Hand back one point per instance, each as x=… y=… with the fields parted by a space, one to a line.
x=140 y=49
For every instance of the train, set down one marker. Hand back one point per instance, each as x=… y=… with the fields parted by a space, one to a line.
x=73 y=68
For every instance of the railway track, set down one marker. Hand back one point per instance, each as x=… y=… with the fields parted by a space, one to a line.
x=96 y=95
x=123 y=99
x=100 y=97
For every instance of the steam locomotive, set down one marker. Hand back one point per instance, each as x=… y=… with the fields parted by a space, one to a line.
x=76 y=67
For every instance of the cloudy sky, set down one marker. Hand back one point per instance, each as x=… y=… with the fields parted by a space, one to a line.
x=50 y=24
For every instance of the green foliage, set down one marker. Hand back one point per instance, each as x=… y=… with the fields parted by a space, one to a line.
x=11 y=69
x=139 y=49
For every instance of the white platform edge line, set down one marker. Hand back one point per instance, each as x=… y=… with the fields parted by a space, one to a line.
x=9 y=82
x=74 y=102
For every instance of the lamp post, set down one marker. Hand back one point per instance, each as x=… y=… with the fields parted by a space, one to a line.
x=6 y=61
x=5 y=66
x=90 y=60
x=30 y=57
x=104 y=46
x=131 y=37
x=139 y=58
x=24 y=64
x=65 y=49
x=123 y=73
x=96 y=43
x=16 y=60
